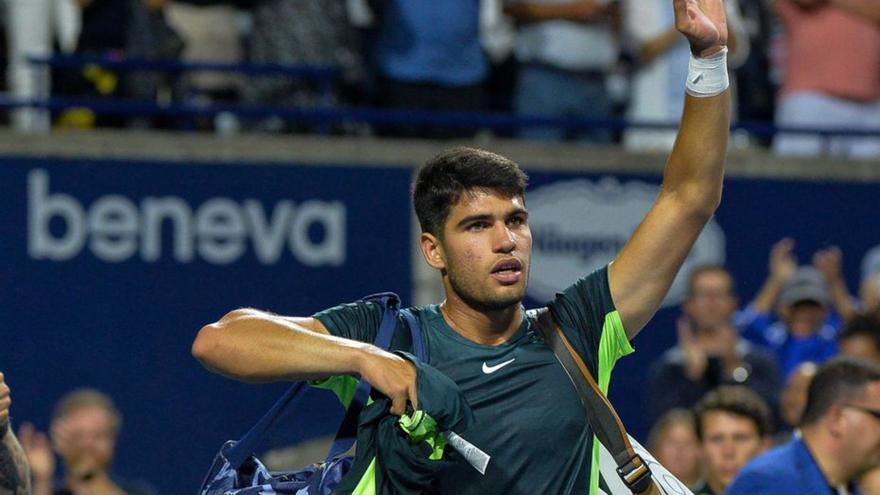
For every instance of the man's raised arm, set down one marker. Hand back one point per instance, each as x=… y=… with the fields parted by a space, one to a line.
x=256 y=346
x=644 y=270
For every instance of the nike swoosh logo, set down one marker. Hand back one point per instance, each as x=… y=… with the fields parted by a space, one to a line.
x=492 y=369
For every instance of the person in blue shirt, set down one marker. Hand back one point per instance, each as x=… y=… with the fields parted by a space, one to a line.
x=799 y=310
x=838 y=440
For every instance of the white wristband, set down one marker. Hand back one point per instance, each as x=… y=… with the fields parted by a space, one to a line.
x=708 y=76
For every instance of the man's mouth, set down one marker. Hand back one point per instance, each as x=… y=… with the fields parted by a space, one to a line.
x=507 y=271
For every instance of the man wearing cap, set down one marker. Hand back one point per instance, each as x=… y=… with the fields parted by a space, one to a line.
x=809 y=302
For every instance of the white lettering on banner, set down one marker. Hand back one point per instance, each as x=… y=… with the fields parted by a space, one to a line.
x=580 y=225
x=114 y=229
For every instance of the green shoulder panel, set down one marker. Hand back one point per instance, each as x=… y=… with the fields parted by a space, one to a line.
x=613 y=345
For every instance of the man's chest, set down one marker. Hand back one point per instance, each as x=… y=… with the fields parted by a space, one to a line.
x=521 y=397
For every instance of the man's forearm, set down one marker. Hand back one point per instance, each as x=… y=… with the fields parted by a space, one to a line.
x=695 y=170
x=14 y=473
x=254 y=346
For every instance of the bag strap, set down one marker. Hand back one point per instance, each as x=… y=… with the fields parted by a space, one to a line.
x=247 y=445
x=346 y=435
x=603 y=419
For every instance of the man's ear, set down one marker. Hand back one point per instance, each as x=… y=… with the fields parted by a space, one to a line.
x=835 y=420
x=432 y=250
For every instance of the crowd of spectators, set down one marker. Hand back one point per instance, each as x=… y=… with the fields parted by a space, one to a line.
x=765 y=355
x=806 y=63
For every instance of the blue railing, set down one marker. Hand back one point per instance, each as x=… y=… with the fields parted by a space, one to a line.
x=325 y=114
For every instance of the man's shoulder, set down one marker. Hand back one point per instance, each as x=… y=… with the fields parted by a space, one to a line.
x=778 y=463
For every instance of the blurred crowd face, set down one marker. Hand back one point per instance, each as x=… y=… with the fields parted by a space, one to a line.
x=85 y=438
x=804 y=318
x=678 y=450
x=729 y=442
x=860 y=346
x=711 y=302
x=861 y=429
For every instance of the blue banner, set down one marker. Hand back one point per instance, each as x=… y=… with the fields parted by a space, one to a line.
x=110 y=268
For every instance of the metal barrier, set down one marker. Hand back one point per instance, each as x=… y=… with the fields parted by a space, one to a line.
x=325 y=114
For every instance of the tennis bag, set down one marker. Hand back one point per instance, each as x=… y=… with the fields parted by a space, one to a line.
x=625 y=466
x=237 y=471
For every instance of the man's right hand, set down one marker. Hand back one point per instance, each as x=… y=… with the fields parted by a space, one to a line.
x=392 y=375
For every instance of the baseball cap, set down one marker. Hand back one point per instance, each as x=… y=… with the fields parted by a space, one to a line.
x=807 y=284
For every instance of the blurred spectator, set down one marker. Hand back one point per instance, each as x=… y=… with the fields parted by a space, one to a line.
x=565 y=50
x=85 y=426
x=870 y=288
x=308 y=32
x=104 y=24
x=710 y=351
x=734 y=426
x=673 y=442
x=861 y=338
x=32 y=28
x=429 y=57
x=831 y=75
x=839 y=437
x=755 y=81
x=662 y=65
x=14 y=476
x=805 y=326
x=794 y=395
x=210 y=33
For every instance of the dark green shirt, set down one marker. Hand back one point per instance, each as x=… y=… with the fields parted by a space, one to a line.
x=529 y=418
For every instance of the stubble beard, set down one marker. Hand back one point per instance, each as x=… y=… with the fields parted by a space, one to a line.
x=483 y=300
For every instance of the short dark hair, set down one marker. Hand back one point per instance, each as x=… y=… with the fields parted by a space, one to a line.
x=838 y=380
x=863 y=326
x=709 y=268
x=737 y=400
x=443 y=179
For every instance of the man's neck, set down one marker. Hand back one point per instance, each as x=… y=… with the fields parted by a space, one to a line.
x=715 y=485
x=483 y=327
x=824 y=450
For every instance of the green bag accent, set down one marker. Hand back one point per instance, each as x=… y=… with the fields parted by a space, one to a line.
x=367 y=484
x=423 y=428
x=344 y=386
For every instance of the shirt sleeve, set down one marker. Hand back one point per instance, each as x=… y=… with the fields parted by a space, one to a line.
x=356 y=321
x=587 y=315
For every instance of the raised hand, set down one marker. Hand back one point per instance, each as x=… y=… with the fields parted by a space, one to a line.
x=782 y=263
x=829 y=262
x=704 y=24
x=695 y=357
x=38 y=451
x=5 y=403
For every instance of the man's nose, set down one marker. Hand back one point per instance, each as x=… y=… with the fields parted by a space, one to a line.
x=505 y=239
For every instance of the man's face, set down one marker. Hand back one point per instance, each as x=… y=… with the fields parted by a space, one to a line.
x=804 y=318
x=711 y=302
x=862 y=435
x=85 y=438
x=729 y=442
x=486 y=250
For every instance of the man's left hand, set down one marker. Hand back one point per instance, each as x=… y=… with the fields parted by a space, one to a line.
x=704 y=23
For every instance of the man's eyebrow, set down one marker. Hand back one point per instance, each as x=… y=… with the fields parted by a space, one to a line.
x=473 y=218
x=486 y=217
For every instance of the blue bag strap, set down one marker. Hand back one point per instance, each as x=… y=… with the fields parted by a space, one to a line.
x=346 y=435
x=347 y=432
